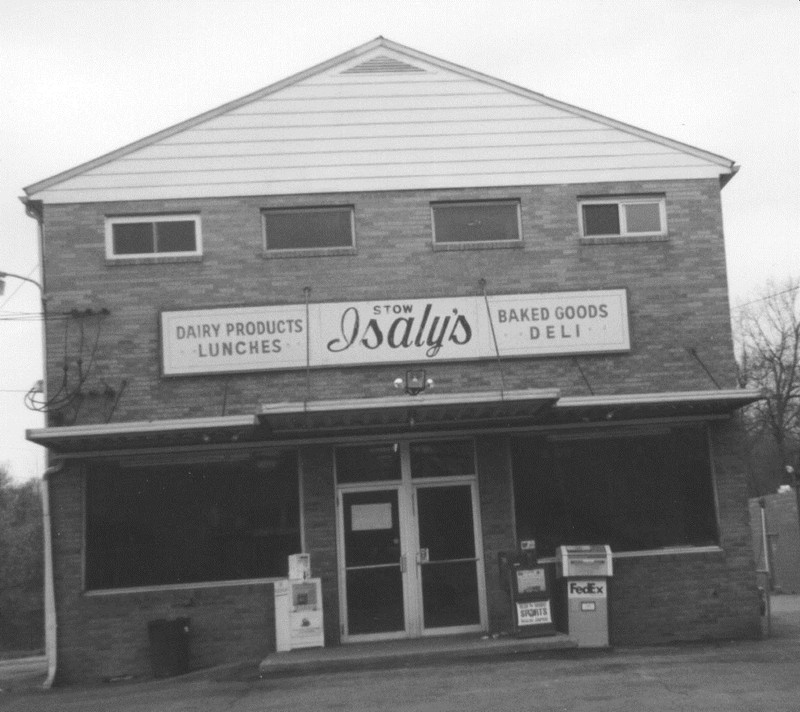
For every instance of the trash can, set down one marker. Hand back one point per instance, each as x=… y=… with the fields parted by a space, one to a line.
x=169 y=646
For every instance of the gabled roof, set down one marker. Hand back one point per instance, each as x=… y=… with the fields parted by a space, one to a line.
x=380 y=117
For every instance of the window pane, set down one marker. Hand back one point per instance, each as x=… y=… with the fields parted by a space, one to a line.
x=450 y=594
x=634 y=493
x=368 y=463
x=133 y=238
x=305 y=229
x=442 y=459
x=175 y=236
x=476 y=222
x=375 y=601
x=643 y=217
x=601 y=219
x=184 y=523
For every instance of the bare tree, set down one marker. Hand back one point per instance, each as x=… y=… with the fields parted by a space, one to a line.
x=768 y=346
x=21 y=567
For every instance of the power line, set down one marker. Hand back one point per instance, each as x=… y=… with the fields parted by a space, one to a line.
x=769 y=296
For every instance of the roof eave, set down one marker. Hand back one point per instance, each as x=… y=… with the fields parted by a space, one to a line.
x=725 y=178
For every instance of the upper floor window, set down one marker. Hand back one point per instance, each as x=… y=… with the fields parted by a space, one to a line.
x=308 y=228
x=153 y=236
x=607 y=217
x=475 y=222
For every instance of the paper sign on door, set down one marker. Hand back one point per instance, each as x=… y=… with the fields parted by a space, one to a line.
x=365 y=517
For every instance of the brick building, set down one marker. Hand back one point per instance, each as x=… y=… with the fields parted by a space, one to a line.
x=399 y=315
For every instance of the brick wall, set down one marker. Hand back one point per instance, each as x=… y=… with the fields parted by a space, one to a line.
x=103 y=636
x=677 y=300
x=497 y=524
x=695 y=596
x=319 y=523
x=677 y=295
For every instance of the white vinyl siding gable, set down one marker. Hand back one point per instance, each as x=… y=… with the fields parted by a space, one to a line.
x=384 y=120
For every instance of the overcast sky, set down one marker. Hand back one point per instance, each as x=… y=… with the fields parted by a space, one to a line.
x=79 y=78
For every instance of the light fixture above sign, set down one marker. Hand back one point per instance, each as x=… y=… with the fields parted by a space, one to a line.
x=414 y=382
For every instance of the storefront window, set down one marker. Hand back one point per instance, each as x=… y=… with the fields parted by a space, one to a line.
x=634 y=490
x=190 y=523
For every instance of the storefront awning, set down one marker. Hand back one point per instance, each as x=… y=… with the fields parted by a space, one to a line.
x=148 y=434
x=398 y=414
x=427 y=412
x=705 y=404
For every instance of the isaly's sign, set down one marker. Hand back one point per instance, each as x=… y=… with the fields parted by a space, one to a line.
x=393 y=331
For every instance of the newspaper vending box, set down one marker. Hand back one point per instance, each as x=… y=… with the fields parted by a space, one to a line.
x=298 y=608
x=528 y=587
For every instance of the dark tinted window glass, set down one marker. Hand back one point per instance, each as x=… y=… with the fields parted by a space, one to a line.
x=442 y=459
x=601 y=219
x=476 y=222
x=175 y=236
x=645 y=491
x=133 y=238
x=304 y=229
x=368 y=463
x=183 y=523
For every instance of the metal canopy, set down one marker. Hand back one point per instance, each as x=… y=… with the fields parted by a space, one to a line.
x=400 y=414
x=424 y=413
x=148 y=434
x=704 y=404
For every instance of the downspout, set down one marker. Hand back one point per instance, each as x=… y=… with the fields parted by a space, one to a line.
x=35 y=209
x=50 y=623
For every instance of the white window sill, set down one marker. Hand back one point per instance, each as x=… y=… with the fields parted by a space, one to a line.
x=309 y=252
x=622 y=239
x=483 y=245
x=180 y=587
x=149 y=260
x=666 y=551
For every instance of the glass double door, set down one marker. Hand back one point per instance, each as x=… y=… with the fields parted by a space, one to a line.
x=410 y=552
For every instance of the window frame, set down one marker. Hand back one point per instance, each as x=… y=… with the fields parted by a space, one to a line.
x=153 y=218
x=467 y=244
x=620 y=202
x=308 y=251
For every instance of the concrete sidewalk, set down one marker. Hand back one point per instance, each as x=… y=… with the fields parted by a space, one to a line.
x=725 y=676
x=22 y=672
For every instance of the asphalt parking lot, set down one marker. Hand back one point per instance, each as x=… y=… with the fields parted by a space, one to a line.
x=729 y=676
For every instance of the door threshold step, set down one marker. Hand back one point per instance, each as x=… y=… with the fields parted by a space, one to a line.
x=407 y=653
